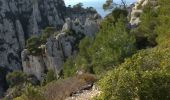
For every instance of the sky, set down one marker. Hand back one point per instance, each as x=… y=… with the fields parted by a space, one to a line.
x=97 y=4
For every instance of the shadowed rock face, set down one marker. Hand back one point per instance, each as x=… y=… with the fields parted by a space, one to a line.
x=3 y=84
x=19 y=19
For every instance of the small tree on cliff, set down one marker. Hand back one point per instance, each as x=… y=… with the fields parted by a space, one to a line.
x=110 y=4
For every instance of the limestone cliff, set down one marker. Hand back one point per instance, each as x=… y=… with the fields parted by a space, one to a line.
x=19 y=19
x=58 y=48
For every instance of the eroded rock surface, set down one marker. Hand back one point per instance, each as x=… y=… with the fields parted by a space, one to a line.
x=19 y=19
x=58 y=48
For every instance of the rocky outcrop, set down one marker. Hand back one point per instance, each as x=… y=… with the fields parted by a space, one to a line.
x=89 y=28
x=19 y=19
x=59 y=48
x=138 y=9
x=33 y=65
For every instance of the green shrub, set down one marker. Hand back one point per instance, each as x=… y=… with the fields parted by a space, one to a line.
x=33 y=44
x=49 y=77
x=69 y=68
x=16 y=78
x=112 y=44
x=145 y=34
x=145 y=76
x=48 y=31
x=32 y=93
x=162 y=28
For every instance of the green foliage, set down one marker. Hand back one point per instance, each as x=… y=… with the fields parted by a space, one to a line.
x=16 y=78
x=33 y=43
x=145 y=76
x=145 y=34
x=32 y=93
x=49 y=77
x=162 y=28
x=46 y=34
x=111 y=4
x=83 y=59
x=69 y=68
x=112 y=44
x=107 y=5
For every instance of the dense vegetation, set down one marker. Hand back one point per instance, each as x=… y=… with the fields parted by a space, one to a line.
x=146 y=75
x=112 y=44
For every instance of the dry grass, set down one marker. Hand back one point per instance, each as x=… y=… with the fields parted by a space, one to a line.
x=64 y=88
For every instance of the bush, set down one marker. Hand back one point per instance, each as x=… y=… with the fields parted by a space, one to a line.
x=69 y=68
x=32 y=93
x=112 y=44
x=16 y=78
x=145 y=76
x=162 y=28
x=49 y=77
x=145 y=34
x=48 y=31
x=33 y=44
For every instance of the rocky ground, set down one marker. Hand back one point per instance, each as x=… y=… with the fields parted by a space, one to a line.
x=85 y=94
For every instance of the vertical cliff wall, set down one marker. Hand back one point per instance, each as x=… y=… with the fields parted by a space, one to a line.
x=19 y=19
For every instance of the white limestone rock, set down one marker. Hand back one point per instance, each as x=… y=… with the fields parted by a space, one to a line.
x=20 y=19
x=33 y=65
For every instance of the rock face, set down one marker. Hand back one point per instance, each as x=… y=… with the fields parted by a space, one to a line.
x=138 y=9
x=19 y=19
x=59 y=48
x=3 y=84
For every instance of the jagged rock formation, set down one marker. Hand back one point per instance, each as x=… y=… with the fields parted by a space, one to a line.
x=138 y=9
x=59 y=48
x=20 y=19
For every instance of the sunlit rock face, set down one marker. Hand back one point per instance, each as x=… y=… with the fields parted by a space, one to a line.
x=58 y=48
x=19 y=19
x=138 y=9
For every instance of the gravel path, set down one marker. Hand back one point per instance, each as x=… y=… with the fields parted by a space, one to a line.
x=85 y=95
